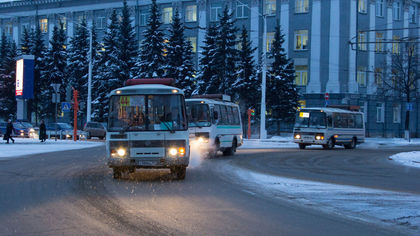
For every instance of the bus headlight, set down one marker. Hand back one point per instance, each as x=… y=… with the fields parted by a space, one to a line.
x=174 y=152
x=297 y=136
x=120 y=152
x=319 y=137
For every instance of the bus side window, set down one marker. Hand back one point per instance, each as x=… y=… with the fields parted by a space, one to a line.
x=350 y=120
x=223 y=116
x=329 y=120
x=359 y=121
x=236 y=115
x=230 y=115
x=217 y=115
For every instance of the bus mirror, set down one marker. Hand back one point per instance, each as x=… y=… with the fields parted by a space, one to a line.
x=215 y=115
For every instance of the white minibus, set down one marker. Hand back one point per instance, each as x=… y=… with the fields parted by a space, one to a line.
x=329 y=127
x=147 y=127
x=214 y=124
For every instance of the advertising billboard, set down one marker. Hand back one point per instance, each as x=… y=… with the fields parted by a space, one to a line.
x=25 y=77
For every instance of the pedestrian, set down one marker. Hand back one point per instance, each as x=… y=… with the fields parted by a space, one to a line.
x=42 y=131
x=9 y=131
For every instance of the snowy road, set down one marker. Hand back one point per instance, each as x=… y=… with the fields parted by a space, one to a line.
x=72 y=193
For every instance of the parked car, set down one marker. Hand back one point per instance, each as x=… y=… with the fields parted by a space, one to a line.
x=64 y=130
x=29 y=128
x=18 y=129
x=95 y=129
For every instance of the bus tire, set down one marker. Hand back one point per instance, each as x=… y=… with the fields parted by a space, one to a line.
x=180 y=172
x=116 y=173
x=302 y=146
x=351 y=145
x=231 y=151
x=330 y=144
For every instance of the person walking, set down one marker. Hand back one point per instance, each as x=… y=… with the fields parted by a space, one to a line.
x=42 y=131
x=9 y=131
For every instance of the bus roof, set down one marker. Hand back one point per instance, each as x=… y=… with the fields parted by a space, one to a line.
x=328 y=109
x=210 y=101
x=147 y=89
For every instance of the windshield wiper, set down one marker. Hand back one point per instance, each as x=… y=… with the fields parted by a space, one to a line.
x=167 y=126
x=197 y=125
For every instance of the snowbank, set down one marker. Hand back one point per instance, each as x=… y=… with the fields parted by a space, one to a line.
x=28 y=146
x=387 y=208
x=407 y=158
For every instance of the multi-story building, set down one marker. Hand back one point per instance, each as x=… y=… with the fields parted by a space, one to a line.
x=318 y=38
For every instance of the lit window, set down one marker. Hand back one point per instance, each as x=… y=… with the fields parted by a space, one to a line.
x=362 y=41
x=63 y=21
x=361 y=76
x=270 y=39
x=413 y=14
x=167 y=15
x=270 y=7
x=193 y=41
x=380 y=112
x=241 y=10
x=378 y=77
x=396 y=7
x=43 y=25
x=396 y=44
x=301 y=75
x=379 y=46
x=215 y=12
x=362 y=6
x=396 y=113
x=143 y=18
x=9 y=29
x=301 y=40
x=100 y=23
x=302 y=6
x=380 y=8
x=238 y=44
x=191 y=13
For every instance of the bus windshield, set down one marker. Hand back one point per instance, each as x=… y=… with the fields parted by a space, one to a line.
x=198 y=114
x=147 y=113
x=311 y=119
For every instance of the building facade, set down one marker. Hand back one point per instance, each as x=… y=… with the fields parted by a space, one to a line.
x=321 y=38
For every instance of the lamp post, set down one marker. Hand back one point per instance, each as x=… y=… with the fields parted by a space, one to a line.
x=89 y=98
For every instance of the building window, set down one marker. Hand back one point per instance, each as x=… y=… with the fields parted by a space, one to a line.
x=191 y=13
x=301 y=40
x=43 y=25
x=380 y=112
x=379 y=77
x=362 y=41
x=362 y=6
x=413 y=14
x=9 y=29
x=302 y=6
x=238 y=44
x=269 y=42
x=380 y=8
x=25 y=26
x=379 y=46
x=361 y=76
x=270 y=7
x=396 y=113
x=193 y=41
x=100 y=23
x=167 y=15
x=63 y=21
x=301 y=75
x=82 y=18
x=396 y=9
x=396 y=44
x=215 y=12
x=241 y=10
x=144 y=16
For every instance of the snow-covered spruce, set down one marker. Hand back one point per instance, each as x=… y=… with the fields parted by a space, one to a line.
x=7 y=77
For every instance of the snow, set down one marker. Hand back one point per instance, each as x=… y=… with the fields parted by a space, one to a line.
x=411 y=159
x=387 y=208
x=26 y=146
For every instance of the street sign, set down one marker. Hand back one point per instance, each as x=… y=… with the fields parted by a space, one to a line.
x=65 y=106
x=24 y=77
x=409 y=106
x=327 y=96
x=55 y=98
x=56 y=87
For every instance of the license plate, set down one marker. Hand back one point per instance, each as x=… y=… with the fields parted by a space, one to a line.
x=147 y=163
x=307 y=137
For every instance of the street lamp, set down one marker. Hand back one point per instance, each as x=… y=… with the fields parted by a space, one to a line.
x=263 y=131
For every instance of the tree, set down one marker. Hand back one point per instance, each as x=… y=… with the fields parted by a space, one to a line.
x=179 y=57
x=127 y=45
x=151 y=60
x=8 y=53
x=226 y=55
x=107 y=77
x=404 y=78
x=207 y=81
x=26 y=43
x=282 y=94
x=247 y=83
x=55 y=69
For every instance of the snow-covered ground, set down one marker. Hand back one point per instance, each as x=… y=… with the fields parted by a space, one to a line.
x=407 y=158
x=287 y=142
x=26 y=146
x=387 y=208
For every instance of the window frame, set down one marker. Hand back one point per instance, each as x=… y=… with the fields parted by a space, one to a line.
x=215 y=16
x=271 y=10
x=361 y=76
x=193 y=41
x=167 y=15
x=191 y=13
x=301 y=6
x=396 y=10
x=243 y=10
x=299 y=33
x=380 y=112
x=362 y=39
x=396 y=113
x=379 y=42
x=302 y=74
x=43 y=25
x=380 y=8
x=362 y=7
x=412 y=12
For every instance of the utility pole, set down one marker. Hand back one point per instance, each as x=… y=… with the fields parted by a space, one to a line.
x=89 y=98
x=263 y=132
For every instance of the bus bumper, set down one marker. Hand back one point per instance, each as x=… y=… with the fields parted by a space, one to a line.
x=163 y=162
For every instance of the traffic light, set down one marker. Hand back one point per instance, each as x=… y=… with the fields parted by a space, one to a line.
x=252 y=112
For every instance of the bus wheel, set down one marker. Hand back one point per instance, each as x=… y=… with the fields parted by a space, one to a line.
x=302 y=146
x=330 y=144
x=231 y=151
x=179 y=172
x=351 y=145
x=117 y=173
